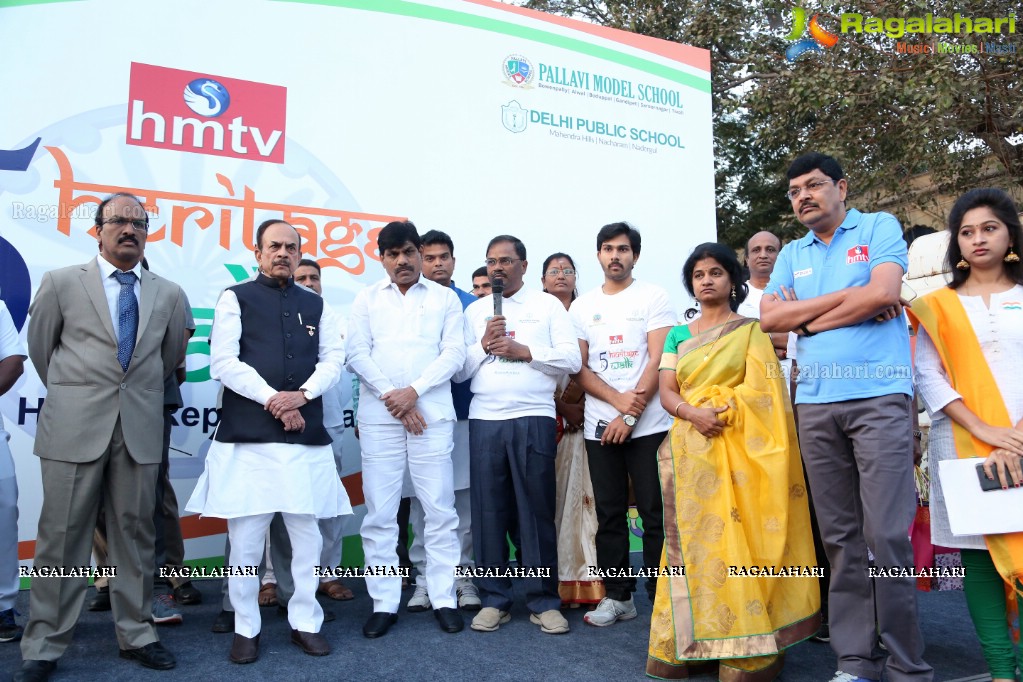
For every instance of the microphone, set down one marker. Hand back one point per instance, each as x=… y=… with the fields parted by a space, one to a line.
x=497 y=288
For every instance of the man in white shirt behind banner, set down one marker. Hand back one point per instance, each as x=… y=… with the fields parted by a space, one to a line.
x=405 y=342
x=515 y=355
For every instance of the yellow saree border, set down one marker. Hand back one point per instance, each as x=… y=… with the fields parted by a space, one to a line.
x=941 y=313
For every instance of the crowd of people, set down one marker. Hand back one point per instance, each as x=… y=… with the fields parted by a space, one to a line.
x=767 y=443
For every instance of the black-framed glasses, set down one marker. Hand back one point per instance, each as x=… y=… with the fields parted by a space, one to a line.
x=554 y=272
x=138 y=225
x=503 y=261
x=811 y=187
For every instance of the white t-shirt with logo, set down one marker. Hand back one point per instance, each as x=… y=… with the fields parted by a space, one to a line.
x=615 y=329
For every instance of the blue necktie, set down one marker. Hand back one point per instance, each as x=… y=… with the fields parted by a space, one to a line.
x=127 y=318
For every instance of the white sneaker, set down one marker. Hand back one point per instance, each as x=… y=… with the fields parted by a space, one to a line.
x=468 y=595
x=420 y=600
x=849 y=677
x=610 y=610
x=489 y=619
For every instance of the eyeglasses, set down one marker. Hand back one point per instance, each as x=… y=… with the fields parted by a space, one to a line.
x=137 y=225
x=811 y=187
x=554 y=272
x=503 y=261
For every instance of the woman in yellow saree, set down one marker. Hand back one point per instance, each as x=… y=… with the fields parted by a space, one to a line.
x=735 y=505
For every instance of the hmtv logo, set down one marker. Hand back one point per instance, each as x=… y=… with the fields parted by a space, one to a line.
x=204 y=114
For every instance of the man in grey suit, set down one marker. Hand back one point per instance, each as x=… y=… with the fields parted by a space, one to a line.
x=102 y=336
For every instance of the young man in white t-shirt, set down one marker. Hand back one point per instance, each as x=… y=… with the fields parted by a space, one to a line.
x=621 y=328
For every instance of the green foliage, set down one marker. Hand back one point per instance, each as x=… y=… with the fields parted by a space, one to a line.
x=886 y=116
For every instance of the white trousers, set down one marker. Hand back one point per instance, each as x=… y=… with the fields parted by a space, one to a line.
x=386 y=451
x=417 y=517
x=248 y=539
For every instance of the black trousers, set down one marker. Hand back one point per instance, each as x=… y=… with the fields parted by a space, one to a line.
x=511 y=480
x=611 y=468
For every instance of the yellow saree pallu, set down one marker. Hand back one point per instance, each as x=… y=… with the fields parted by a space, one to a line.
x=942 y=314
x=735 y=509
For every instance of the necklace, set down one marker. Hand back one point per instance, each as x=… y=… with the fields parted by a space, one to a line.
x=721 y=330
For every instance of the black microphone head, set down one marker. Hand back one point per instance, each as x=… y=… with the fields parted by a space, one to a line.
x=497 y=286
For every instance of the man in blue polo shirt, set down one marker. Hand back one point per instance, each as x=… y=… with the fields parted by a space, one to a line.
x=838 y=288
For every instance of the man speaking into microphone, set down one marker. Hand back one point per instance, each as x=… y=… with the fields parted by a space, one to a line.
x=514 y=358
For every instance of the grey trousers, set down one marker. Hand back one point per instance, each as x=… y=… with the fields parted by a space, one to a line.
x=859 y=458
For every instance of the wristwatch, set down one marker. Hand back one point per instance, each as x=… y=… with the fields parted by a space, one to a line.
x=308 y=395
x=629 y=420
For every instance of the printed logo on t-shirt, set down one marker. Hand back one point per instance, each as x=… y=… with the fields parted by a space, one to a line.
x=857 y=254
x=617 y=338
x=1012 y=305
x=802 y=273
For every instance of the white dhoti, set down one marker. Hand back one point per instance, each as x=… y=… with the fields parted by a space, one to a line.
x=246 y=483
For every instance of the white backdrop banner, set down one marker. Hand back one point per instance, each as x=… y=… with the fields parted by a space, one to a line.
x=476 y=118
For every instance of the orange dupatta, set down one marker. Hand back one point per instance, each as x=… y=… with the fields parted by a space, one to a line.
x=941 y=313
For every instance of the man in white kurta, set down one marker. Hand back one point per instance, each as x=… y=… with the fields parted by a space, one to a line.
x=405 y=341
x=276 y=347
x=12 y=365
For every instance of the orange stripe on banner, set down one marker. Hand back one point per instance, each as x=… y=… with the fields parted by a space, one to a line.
x=195 y=526
x=684 y=54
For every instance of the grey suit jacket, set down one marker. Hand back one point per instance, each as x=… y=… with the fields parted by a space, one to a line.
x=72 y=344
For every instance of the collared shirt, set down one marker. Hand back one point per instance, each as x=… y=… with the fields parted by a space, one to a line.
x=10 y=345
x=864 y=360
x=112 y=289
x=396 y=341
x=507 y=389
x=243 y=379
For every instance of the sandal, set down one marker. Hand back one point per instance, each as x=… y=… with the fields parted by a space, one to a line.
x=268 y=595
x=336 y=590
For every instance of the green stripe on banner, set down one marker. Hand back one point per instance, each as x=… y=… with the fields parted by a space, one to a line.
x=449 y=16
x=19 y=3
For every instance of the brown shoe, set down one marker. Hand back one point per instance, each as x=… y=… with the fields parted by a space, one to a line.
x=336 y=590
x=268 y=595
x=244 y=649
x=313 y=643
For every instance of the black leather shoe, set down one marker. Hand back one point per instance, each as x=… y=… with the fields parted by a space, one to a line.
x=244 y=649
x=153 y=655
x=187 y=594
x=313 y=643
x=449 y=619
x=35 y=671
x=328 y=615
x=379 y=623
x=101 y=602
x=224 y=622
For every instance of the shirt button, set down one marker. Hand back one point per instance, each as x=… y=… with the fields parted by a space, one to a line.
x=288 y=335
x=291 y=377
x=290 y=356
x=287 y=314
x=285 y=295
x=124 y=386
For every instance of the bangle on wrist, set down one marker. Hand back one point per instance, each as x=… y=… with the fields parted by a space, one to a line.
x=806 y=332
x=676 y=410
x=918 y=434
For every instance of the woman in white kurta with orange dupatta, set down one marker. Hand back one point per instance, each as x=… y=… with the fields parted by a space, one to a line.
x=968 y=356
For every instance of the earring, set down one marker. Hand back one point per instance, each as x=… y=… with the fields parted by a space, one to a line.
x=733 y=293
x=962 y=264
x=1011 y=257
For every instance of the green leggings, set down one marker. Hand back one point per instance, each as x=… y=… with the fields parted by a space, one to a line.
x=985 y=597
